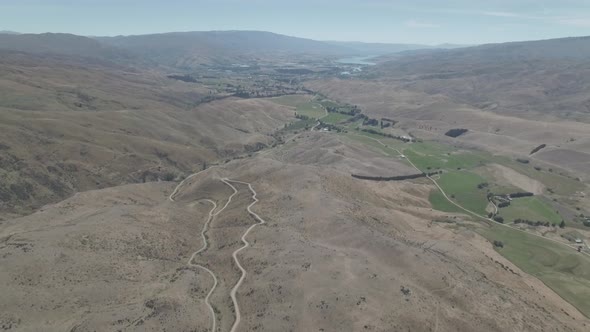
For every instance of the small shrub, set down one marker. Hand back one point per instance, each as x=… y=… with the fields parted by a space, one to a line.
x=168 y=176
x=499 y=219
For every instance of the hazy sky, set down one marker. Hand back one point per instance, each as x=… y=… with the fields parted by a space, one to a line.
x=416 y=21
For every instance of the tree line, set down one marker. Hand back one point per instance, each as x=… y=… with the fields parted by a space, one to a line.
x=456 y=132
x=395 y=178
x=538 y=148
x=375 y=132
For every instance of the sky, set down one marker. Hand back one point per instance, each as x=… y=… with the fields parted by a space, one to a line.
x=390 y=21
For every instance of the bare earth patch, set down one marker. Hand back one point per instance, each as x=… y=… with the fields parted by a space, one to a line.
x=508 y=175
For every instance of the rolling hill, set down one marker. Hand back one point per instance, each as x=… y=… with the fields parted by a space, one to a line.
x=130 y=189
x=70 y=125
x=529 y=79
x=192 y=49
x=62 y=44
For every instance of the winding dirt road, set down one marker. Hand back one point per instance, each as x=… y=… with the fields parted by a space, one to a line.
x=246 y=245
x=189 y=263
x=212 y=215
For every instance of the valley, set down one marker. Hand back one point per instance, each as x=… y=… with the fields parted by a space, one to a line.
x=230 y=188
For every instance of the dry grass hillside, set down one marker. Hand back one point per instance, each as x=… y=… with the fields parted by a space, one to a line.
x=528 y=79
x=130 y=201
x=336 y=254
x=68 y=125
x=431 y=115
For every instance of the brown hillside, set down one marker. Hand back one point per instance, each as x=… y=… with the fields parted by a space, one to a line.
x=68 y=128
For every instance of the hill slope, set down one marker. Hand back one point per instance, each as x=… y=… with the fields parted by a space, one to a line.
x=524 y=78
x=62 y=44
x=68 y=127
x=191 y=49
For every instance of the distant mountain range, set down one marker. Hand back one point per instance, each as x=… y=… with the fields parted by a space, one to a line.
x=190 y=50
x=193 y=49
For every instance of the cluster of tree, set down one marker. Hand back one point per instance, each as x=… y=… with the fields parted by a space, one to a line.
x=258 y=94
x=586 y=223
x=504 y=204
x=346 y=111
x=254 y=148
x=538 y=148
x=521 y=194
x=385 y=124
x=243 y=94
x=482 y=185
x=536 y=223
x=393 y=122
x=357 y=117
x=499 y=219
x=375 y=132
x=302 y=117
x=330 y=126
x=498 y=244
x=456 y=132
x=294 y=71
x=184 y=78
x=371 y=122
x=395 y=178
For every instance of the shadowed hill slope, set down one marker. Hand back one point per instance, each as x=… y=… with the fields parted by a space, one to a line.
x=68 y=127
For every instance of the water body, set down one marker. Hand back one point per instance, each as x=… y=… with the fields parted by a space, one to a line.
x=357 y=60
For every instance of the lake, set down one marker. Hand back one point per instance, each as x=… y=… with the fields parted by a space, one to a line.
x=357 y=60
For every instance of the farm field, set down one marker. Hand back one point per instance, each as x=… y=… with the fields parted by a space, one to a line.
x=311 y=109
x=335 y=118
x=531 y=208
x=461 y=186
x=291 y=100
x=563 y=270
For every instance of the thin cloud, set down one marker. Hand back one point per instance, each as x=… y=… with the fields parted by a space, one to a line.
x=420 y=25
x=504 y=14
x=577 y=22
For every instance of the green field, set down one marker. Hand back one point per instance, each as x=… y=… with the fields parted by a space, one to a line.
x=334 y=118
x=463 y=186
x=564 y=270
x=531 y=208
x=311 y=109
x=432 y=156
x=301 y=124
x=291 y=100
x=329 y=103
x=365 y=138
x=440 y=203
